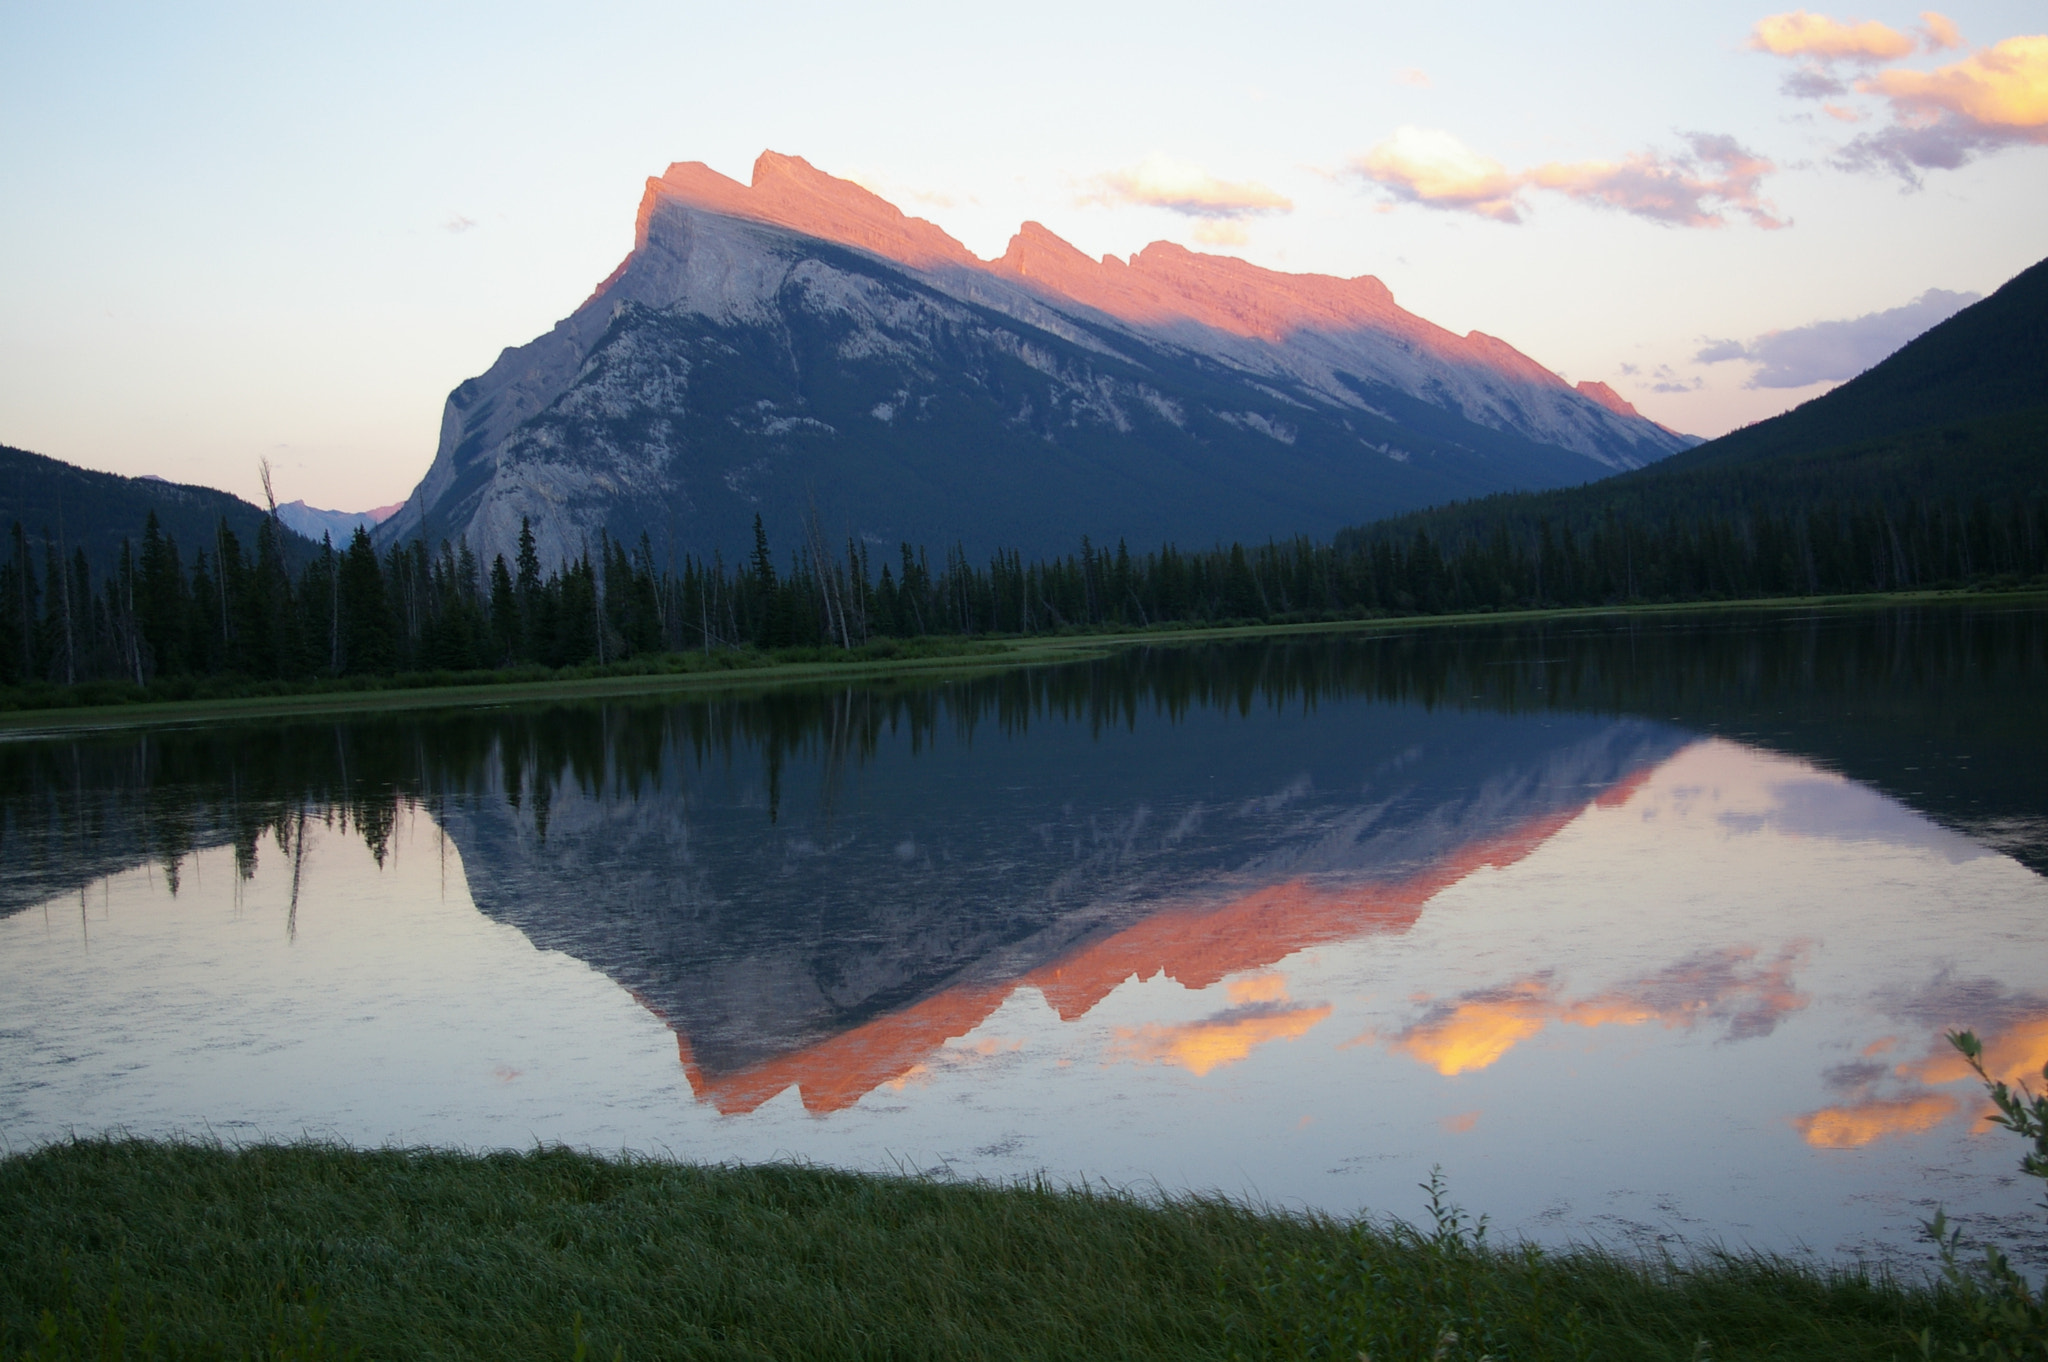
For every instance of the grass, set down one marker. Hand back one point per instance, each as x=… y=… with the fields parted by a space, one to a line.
x=125 y=1248
x=44 y=708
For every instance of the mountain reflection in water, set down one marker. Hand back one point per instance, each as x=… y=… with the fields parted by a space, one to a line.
x=893 y=904
x=817 y=889
x=1637 y=929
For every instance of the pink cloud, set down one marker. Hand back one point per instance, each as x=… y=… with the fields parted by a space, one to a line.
x=1799 y=34
x=1695 y=188
x=1185 y=188
x=1433 y=168
x=1939 y=33
x=2002 y=88
x=1994 y=97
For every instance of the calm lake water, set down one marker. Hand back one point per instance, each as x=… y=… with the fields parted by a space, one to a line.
x=1645 y=932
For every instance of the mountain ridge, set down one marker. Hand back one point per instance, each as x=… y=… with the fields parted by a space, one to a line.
x=802 y=343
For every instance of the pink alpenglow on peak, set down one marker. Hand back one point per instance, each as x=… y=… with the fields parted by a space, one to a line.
x=1163 y=286
x=1608 y=397
x=790 y=192
x=1165 y=283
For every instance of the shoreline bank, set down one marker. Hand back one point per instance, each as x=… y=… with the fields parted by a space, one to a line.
x=316 y=1250
x=933 y=657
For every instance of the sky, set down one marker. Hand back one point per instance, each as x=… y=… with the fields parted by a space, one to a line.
x=238 y=233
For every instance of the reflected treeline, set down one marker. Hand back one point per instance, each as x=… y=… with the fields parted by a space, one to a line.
x=1938 y=706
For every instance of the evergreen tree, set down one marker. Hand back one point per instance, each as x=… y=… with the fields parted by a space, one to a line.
x=533 y=630
x=507 y=645
x=162 y=608
x=368 y=628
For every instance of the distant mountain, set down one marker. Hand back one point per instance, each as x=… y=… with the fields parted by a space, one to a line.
x=802 y=343
x=78 y=508
x=340 y=526
x=1958 y=415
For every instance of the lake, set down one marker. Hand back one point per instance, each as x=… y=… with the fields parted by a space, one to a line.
x=1647 y=931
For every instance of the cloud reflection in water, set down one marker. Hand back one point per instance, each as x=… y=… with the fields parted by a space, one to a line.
x=1477 y=1028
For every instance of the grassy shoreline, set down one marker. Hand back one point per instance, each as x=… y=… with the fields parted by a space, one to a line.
x=687 y=674
x=142 y=1248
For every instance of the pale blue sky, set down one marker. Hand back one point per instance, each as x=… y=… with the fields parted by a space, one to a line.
x=234 y=232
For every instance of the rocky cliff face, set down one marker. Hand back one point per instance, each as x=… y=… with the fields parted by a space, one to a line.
x=799 y=342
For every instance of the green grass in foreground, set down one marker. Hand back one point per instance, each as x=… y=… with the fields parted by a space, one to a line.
x=123 y=1248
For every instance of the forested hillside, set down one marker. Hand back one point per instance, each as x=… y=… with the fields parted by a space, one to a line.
x=71 y=510
x=1928 y=468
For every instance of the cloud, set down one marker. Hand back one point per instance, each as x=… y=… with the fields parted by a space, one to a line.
x=1668 y=380
x=1855 y=1124
x=1938 y=32
x=1688 y=190
x=1695 y=188
x=1835 y=350
x=1995 y=97
x=1725 y=986
x=1226 y=1038
x=1799 y=34
x=458 y=224
x=1479 y=1028
x=2014 y=1031
x=1413 y=75
x=1183 y=187
x=1729 y=987
x=1433 y=168
x=1812 y=82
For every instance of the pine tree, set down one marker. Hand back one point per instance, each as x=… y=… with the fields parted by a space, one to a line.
x=368 y=629
x=505 y=620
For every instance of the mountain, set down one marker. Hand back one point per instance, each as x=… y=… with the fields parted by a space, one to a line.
x=799 y=342
x=1958 y=415
x=77 y=508
x=339 y=526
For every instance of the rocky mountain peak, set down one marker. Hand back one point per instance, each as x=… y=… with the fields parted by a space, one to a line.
x=1608 y=397
x=799 y=335
x=790 y=192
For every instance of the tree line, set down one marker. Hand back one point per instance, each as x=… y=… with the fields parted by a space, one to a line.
x=223 y=609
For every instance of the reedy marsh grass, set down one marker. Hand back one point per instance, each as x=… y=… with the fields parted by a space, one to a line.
x=131 y=1248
